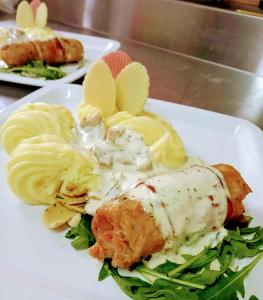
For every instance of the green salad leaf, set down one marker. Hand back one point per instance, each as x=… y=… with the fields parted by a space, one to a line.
x=228 y=286
x=192 y=280
x=36 y=69
x=81 y=235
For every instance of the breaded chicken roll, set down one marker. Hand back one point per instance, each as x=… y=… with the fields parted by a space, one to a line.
x=54 y=51
x=167 y=209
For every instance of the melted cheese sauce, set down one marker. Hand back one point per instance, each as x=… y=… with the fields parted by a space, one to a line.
x=189 y=201
x=184 y=202
x=10 y=35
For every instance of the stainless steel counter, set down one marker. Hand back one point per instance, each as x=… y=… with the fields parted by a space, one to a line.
x=175 y=77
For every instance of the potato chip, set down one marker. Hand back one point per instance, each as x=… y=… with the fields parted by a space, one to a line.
x=72 y=201
x=41 y=15
x=76 y=208
x=132 y=88
x=57 y=215
x=99 y=88
x=117 y=61
x=34 y=5
x=24 y=15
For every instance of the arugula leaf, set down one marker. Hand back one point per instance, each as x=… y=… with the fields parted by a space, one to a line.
x=36 y=69
x=187 y=264
x=142 y=269
x=226 y=257
x=227 y=287
x=253 y=297
x=249 y=230
x=141 y=290
x=82 y=235
x=166 y=267
x=206 y=277
x=205 y=259
x=105 y=270
x=241 y=250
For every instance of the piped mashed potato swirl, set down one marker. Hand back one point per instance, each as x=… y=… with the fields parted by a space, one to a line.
x=43 y=166
x=33 y=119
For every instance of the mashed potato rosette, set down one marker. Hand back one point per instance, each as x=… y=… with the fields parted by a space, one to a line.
x=33 y=119
x=43 y=166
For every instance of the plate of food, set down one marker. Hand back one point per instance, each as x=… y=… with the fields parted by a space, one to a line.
x=32 y=53
x=107 y=194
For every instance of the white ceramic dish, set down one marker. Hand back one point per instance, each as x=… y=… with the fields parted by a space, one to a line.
x=94 y=48
x=37 y=263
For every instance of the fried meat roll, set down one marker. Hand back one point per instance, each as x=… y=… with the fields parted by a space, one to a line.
x=167 y=209
x=57 y=50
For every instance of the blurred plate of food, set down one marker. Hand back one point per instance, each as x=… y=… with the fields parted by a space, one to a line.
x=33 y=54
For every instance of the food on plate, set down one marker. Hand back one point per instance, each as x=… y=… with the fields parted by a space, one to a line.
x=57 y=214
x=44 y=166
x=122 y=180
x=24 y=15
x=33 y=48
x=36 y=69
x=54 y=51
x=163 y=211
x=238 y=190
x=117 y=118
x=34 y=5
x=88 y=114
x=117 y=61
x=41 y=15
x=33 y=119
x=132 y=88
x=99 y=88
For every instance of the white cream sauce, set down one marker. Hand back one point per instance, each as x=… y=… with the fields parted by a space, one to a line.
x=123 y=157
x=208 y=240
x=11 y=35
x=184 y=202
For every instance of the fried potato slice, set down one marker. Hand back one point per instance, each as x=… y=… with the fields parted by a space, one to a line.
x=116 y=61
x=132 y=88
x=24 y=15
x=99 y=88
x=57 y=215
x=72 y=200
x=41 y=15
x=79 y=208
x=34 y=5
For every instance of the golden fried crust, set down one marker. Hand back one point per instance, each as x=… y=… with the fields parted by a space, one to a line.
x=18 y=54
x=125 y=233
x=73 y=49
x=58 y=50
x=238 y=190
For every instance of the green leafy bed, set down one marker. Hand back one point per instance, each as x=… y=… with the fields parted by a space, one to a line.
x=193 y=280
x=36 y=69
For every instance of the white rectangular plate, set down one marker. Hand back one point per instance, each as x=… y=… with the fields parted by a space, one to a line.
x=37 y=263
x=94 y=48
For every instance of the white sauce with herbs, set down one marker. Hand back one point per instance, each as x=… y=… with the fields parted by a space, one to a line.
x=11 y=35
x=184 y=202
